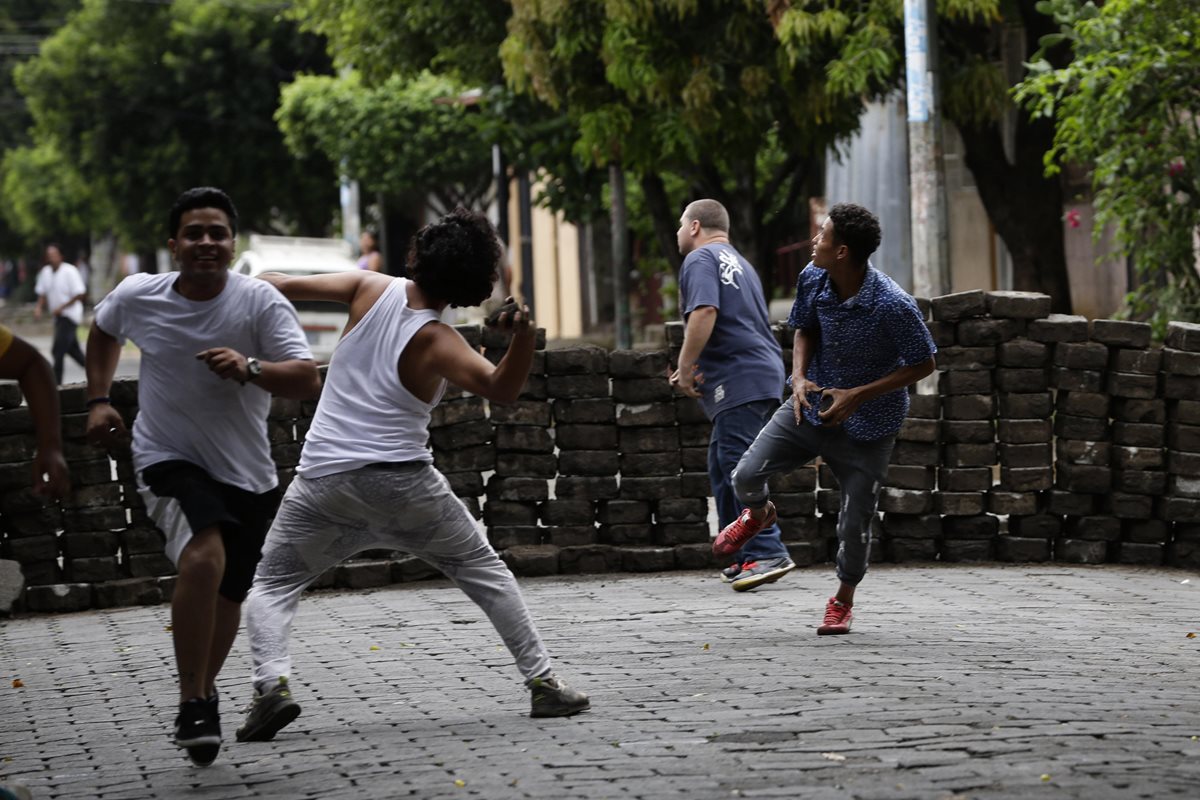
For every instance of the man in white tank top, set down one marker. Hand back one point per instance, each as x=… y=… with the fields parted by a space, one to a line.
x=366 y=478
x=215 y=346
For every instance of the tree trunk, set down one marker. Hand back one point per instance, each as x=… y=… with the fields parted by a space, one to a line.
x=1024 y=205
x=665 y=219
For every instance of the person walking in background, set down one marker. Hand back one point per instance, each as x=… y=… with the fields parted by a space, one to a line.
x=370 y=257
x=732 y=362
x=20 y=360
x=860 y=342
x=366 y=478
x=200 y=448
x=61 y=289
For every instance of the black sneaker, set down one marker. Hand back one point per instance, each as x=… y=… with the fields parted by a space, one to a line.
x=767 y=570
x=198 y=731
x=551 y=697
x=269 y=713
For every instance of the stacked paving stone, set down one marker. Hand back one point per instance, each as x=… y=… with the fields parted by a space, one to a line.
x=910 y=528
x=967 y=431
x=1137 y=457
x=1024 y=431
x=1181 y=390
x=1083 y=448
x=30 y=531
x=1048 y=438
x=585 y=433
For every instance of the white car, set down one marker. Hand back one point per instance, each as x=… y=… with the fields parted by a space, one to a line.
x=323 y=322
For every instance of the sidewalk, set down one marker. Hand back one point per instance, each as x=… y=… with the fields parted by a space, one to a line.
x=127 y=366
x=958 y=682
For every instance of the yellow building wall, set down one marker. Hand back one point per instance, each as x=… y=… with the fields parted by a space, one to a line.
x=557 y=294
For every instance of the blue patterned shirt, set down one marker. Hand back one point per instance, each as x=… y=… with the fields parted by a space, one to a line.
x=861 y=340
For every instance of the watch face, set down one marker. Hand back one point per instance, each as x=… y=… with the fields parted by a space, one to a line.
x=253 y=368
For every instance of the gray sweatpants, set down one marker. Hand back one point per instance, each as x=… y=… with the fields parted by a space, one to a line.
x=407 y=507
x=860 y=468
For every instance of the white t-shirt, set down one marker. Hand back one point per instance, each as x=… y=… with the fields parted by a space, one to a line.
x=59 y=286
x=184 y=410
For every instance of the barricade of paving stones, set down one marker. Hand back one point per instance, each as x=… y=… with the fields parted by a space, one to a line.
x=1049 y=438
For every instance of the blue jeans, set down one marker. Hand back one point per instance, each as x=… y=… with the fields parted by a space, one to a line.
x=860 y=468
x=733 y=432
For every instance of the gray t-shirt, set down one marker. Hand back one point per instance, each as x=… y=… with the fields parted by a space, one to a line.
x=184 y=410
x=742 y=361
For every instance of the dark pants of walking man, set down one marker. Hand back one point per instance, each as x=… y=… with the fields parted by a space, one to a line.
x=65 y=344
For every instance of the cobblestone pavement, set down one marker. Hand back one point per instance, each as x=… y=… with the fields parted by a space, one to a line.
x=958 y=682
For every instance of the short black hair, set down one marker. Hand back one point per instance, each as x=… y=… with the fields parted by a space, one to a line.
x=856 y=228
x=456 y=259
x=711 y=215
x=202 y=197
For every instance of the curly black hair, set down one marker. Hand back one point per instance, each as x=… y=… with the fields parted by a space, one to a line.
x=456 y=259
x=856 y=228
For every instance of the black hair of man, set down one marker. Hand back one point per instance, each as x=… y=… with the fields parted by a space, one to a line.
x=856 y=228
x=456 y=259
x=711 y=215
x=202 y=197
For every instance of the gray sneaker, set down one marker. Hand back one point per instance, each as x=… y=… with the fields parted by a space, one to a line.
x=756 y=573
x=551 y=697
x=269 y=713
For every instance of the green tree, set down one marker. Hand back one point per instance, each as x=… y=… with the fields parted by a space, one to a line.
x=404 y=135
x=148 y=99
x=46 y=196
x=703 y=90
x=23 y=26
x=396 y=41
x=1126 y=106
x=974 y=36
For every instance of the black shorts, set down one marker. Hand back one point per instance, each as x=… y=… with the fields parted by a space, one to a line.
x=183 y=498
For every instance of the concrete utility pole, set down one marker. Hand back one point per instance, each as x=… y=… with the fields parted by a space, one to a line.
x=348 y=197
x=926 y=172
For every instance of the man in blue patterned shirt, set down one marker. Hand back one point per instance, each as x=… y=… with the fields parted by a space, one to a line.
x=859 y=343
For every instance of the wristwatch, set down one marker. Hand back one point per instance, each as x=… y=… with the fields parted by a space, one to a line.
x=253 y=369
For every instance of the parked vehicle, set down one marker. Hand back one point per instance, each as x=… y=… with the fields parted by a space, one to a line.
x=323 y=322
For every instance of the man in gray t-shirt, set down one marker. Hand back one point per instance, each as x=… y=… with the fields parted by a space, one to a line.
x=733 y=364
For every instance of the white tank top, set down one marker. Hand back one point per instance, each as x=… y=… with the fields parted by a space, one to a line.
x=365 y=415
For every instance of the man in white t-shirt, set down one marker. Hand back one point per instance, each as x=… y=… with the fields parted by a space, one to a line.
x=214 y=347
x=61 y=289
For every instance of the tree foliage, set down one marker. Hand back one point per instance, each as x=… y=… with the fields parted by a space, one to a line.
x=399 y=136
x=1127 y=106
x=46 y=196
x=145 y=100
x=23 y=24
x=703 y=90
x=1003 y=147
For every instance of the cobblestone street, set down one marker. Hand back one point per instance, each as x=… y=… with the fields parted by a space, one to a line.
x=963 y=682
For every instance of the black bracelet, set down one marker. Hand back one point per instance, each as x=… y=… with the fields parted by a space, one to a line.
x=95 y=401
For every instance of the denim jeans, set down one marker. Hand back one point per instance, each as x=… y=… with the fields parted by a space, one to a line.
x=860 y=468
x=65 y=344
x=733 y=432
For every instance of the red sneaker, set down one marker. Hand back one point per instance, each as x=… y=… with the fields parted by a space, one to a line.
x=742 y=530
x=837 y=619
